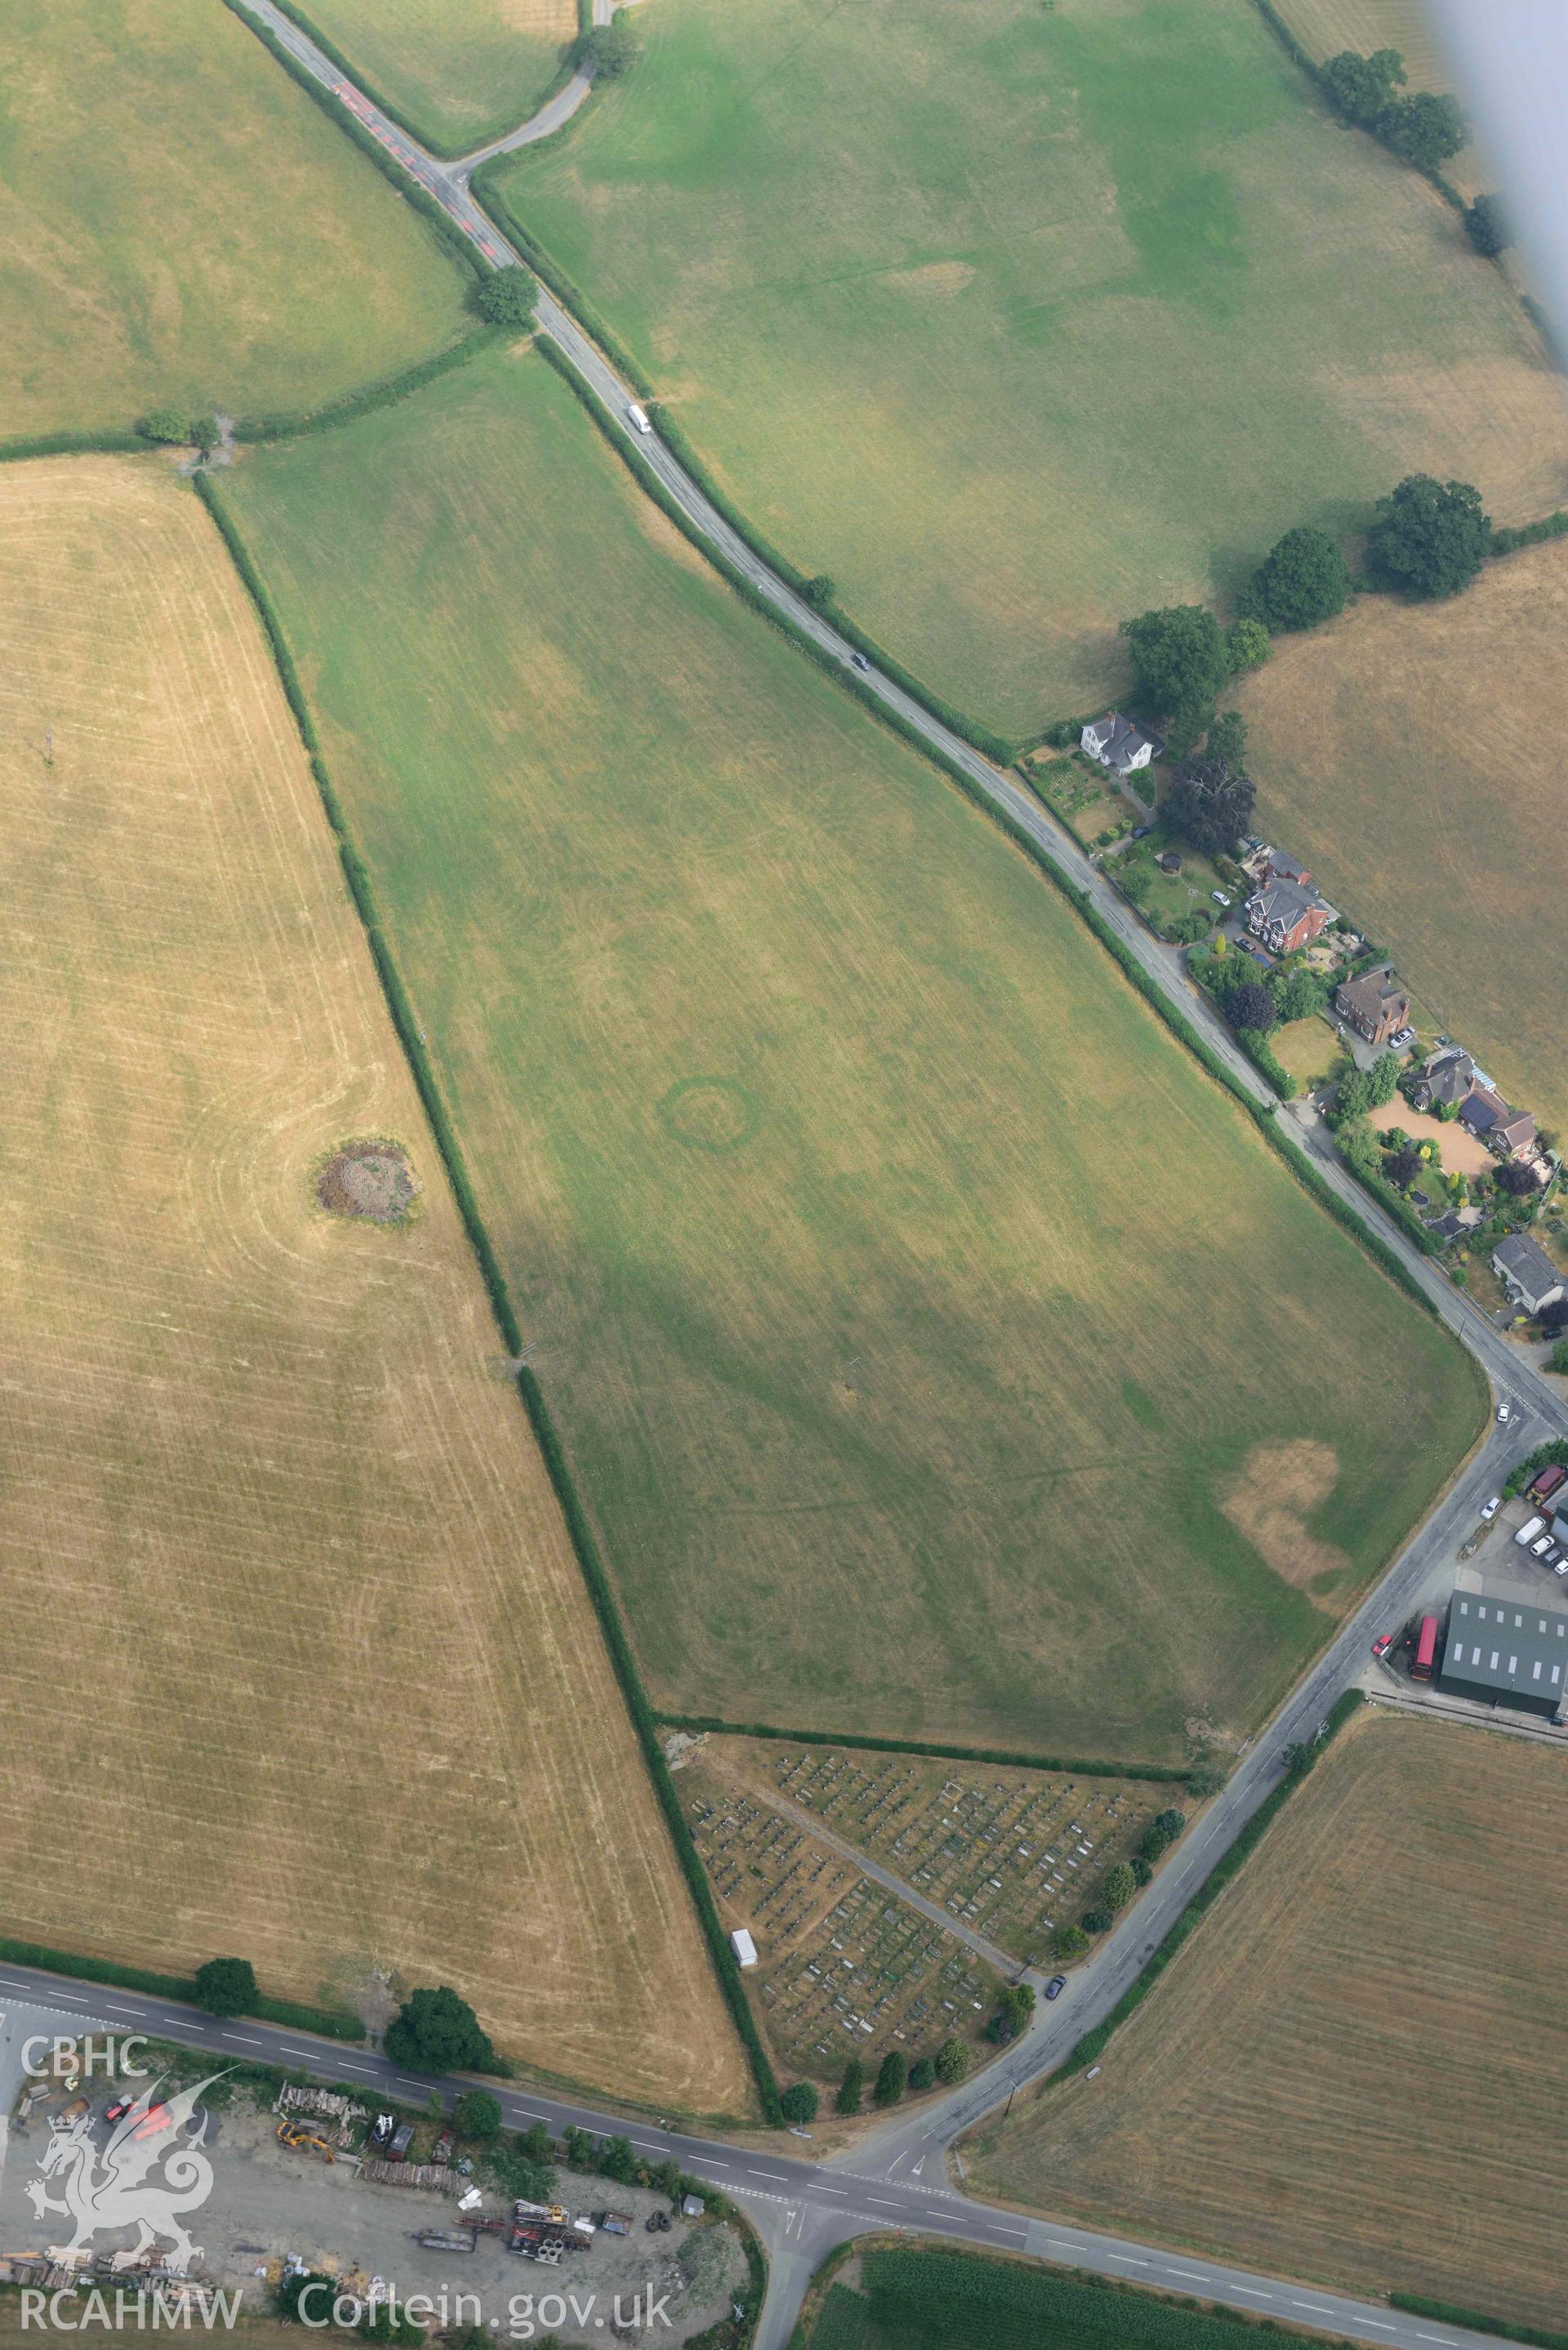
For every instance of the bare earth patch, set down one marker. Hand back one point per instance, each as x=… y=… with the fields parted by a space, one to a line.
x=1269 y=1503
x=368 y=1179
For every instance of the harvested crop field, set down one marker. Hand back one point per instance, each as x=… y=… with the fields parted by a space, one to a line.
x=886 y=1262
x=1407 y=751
x=181 y=226
x=461 y=71
x=1355 y=2071
x=953 y=324
x=302 y=1661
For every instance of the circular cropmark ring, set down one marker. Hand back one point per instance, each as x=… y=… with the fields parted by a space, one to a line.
x=710 y=1114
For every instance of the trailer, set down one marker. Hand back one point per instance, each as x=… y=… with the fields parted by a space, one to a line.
x=444 y=2240
x=1426 y=1650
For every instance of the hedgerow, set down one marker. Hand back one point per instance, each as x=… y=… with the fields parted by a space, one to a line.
x=1093 y=2044
x=385 y=393
x=1162 y=1772
x=391 y=170
x=1447 y=2314
x=328 y=2023
x=358 y=876
x=962 y=2301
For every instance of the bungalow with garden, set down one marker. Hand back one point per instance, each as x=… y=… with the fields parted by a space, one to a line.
x=1528 y=1274
x=1503 y=1129
x=1119 y=744
x=1288 y=915
x=1376 y=1007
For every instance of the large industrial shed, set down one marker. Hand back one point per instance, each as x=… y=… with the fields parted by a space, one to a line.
x=1505 y=1652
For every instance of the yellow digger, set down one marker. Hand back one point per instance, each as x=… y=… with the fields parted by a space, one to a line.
x=294 y=2134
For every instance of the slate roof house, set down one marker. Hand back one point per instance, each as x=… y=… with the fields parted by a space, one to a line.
x=1447 y=1078
x=1527 y=1273
x=1287 y=915
x=1376 y=1007
x=1119 y=744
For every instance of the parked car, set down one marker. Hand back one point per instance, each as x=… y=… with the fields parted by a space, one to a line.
x=1056 y=1986
x=1550 y=1557
x=1538 y=1549
x=1561 y=1567
x=1219 y=897
x=1490 y=1509
x=1142 y=831
x=1381 y=1646
x=1502 y=1414
x=1400 y=1038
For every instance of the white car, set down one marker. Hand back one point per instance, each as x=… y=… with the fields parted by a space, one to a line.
x=1502 y=1414
x=1402 y=1037
x=1538 y=1548
x=1219 y=897
x=1490 y=1509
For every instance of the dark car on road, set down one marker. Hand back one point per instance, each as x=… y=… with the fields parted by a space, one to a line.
x=1056 y=1986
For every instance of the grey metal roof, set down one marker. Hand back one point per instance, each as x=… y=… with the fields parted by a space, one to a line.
x=1511 y=1646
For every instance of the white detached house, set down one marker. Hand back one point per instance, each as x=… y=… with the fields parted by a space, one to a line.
x=1119 y=744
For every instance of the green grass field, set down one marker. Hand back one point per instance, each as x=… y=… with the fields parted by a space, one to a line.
x=909 y=2300
x=460 y=71
x=180 y=224
x=1016 y=319
x=938 y=1349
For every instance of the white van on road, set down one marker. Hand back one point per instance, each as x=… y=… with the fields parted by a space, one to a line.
x=638 y=418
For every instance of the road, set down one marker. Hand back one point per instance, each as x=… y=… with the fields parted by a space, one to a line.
x=804 y=2208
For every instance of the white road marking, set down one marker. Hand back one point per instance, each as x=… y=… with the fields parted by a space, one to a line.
x=778 y=2178
x=120 y=2009
x=350 y=2067
x=881 y=2206
x=244 y=2039
x=403 y=2082
x=832 y=2191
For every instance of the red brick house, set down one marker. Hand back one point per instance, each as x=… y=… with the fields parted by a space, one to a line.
x=1376 y=1007
x=1287 y=914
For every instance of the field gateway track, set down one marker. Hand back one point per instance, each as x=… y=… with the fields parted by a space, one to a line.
x=301 y=1660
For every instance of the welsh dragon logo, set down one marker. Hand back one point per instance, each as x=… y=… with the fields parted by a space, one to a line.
x=124 y=2186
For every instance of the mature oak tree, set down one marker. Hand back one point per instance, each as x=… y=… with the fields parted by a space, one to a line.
x=1431 y=536
x=1302 y=579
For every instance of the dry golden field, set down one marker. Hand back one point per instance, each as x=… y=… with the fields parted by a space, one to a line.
x=1356 y=2070
x=1407 y=753
x=300 y=1663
